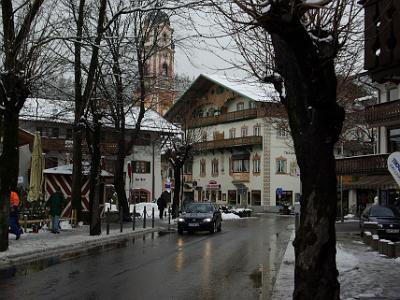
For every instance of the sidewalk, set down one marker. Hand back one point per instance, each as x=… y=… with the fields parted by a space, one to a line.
x=363 y=273
x=47 y=248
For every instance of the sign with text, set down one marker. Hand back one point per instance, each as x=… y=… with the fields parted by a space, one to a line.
x=394 y=166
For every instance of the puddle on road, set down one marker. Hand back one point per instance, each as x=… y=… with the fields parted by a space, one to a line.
x=41 y=264
x=256 y=277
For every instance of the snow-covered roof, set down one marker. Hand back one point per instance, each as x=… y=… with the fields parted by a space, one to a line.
x=62 y=111
x=245 y=87
x=152 y=121
x=67 y=170
x=253 y=90
x=40 y=109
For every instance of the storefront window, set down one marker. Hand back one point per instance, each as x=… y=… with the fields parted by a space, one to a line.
x=232 y=197
x=140 y=196
x=284 y=198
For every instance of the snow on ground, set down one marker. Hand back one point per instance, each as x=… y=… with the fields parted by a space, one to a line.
x=44 y=240
x=240 y=209
x=363 y=273
x=229 y=216
x=140 y=209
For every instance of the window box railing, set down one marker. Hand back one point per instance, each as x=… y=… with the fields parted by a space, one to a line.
x=240 y=177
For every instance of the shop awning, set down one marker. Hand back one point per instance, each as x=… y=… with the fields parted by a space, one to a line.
x=372 y=182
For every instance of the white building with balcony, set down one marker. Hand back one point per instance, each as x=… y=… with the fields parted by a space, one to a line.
x=243 y=155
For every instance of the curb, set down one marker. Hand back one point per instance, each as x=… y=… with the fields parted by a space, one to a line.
x=284 y=284
x=39 y=259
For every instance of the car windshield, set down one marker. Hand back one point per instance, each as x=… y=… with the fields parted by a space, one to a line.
x=384 y=212
x=199 y=208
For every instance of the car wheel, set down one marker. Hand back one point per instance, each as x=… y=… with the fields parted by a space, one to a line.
x=212 y=228
x=180 y=231
x=219 y=227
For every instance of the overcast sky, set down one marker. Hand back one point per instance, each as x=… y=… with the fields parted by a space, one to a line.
x=201 y=54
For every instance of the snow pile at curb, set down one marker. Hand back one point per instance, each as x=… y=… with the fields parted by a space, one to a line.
x=229 y=216
x=149 y=206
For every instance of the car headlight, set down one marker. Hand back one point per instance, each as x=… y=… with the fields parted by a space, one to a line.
x=181 y=220
x=207 y=220
x=380 y=225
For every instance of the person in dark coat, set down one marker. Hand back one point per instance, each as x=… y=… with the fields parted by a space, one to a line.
x=13 y=220
x=55 y=203
x=162 y=203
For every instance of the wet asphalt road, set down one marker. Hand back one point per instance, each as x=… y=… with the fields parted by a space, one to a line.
x=238 y=263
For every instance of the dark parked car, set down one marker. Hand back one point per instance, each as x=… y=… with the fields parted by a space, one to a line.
x=200 y=216
x=381 y=220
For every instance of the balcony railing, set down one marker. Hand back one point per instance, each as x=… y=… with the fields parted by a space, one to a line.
x=63 y=145
x=383 y=114
x=229 y=143
x=225 y=118
x=363 y=165
x=240 y=177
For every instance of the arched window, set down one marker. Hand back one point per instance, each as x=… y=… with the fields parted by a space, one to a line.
x=165 y=69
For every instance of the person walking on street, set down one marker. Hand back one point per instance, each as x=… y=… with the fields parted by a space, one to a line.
x=14 y=215
x=55 y=203
x=162 y=204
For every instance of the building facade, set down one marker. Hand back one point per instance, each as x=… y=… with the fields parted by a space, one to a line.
x=242 y=156
x=364 y=177
x=54 y=120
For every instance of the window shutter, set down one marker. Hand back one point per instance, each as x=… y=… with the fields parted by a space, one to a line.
x=148 y=164
x=134 y=170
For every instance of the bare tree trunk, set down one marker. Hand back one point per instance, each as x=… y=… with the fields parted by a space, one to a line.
x=13 y=94
x=315 y=122
x=94 y=144
x=119 y=180
x=177 y=189
x=76 y=198
x=9 y=172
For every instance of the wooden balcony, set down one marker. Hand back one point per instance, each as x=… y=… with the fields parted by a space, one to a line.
x=229 y=143
x=375 y=164
x=382 y=47
x=240 y=177
x=383 y=114
x=63 y=145
x=225 y=118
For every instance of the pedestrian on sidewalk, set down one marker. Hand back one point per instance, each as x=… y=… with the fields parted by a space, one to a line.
x=14 y=215
x=162 y=203
x=56 y=204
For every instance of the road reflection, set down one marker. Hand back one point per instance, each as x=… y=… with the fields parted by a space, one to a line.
x=180 y=257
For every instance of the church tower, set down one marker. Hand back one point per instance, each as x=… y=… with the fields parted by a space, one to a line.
x=159 y=68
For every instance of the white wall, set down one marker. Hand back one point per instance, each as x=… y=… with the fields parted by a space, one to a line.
x=282 y=148
x=144 y=181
